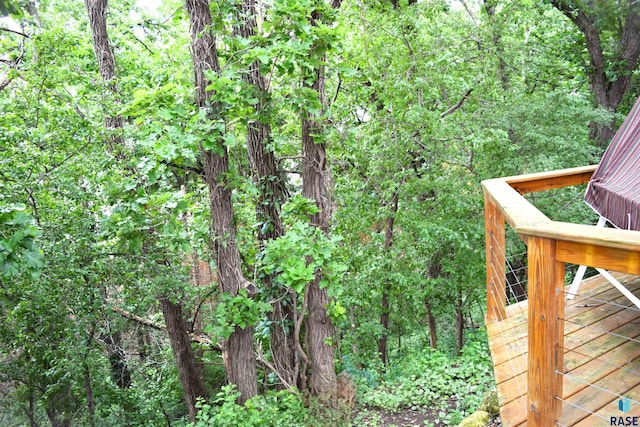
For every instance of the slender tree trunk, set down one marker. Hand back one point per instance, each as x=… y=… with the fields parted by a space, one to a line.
x=384 y=322
x=201 y=276
x=431 y=322
x=188 y=372
x=496 y=36
x=237 y=351
x=32 y=9
x=31 y=411
x=271 y=183
x=117 y=358
x=192 y=384
x=607 y=90
x=56 y=419
x=91 y=405
x=459 y=323
x=97 y=11
x=384 y=316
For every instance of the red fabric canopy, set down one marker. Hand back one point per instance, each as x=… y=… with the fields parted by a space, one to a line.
x=614 y=189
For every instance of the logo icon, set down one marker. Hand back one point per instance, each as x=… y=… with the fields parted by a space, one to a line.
x=624 y=404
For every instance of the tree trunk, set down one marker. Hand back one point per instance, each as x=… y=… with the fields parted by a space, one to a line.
x=431 y=322
x=384 y=316
x=496 y=36
x=384 y=322
x=190 y=379
x=316 y=186
x=117 y=357
x=237 y=351
x=315 y=177
x=609 y=79
x=31 y=411
x=271 y=184
x=97 y=11
x=201 y=276
x=459 y=324
x=91 y=406
x=56 y=419
x=32 y=9
x=188 y=372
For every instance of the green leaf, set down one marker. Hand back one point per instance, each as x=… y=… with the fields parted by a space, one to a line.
x=10 y=8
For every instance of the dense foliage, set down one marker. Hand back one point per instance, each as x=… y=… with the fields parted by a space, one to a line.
x=104 y=227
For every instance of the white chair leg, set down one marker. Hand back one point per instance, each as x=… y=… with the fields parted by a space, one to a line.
x=577 y=280
x=573 y=289
x=626 y=292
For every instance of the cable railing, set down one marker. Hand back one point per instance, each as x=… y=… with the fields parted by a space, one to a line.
x=536 y=296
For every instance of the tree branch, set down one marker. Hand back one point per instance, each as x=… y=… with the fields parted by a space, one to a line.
x=198 y=170
x=457 y=105
x=4 y=83
x=298 y=325
x=260 y=358
x=141 y=320
x=201 y=339
x=142 y=43
x=9 y=30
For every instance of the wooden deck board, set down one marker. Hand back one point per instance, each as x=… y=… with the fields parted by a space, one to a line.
x=602 y=352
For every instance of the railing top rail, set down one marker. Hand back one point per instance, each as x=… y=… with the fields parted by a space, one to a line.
x=526 y=219
x=540 y=181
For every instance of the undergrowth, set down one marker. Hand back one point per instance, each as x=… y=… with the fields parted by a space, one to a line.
x=273 y=409
x=423 y=379
x=427 y=379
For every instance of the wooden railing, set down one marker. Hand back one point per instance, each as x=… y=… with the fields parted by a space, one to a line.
x=550 y=245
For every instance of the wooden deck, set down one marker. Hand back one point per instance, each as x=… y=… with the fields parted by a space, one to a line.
x=601 y=356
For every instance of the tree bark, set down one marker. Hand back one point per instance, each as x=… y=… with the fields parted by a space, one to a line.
x=384 y=322
x=496 y=36
x=31 y=411
x=459 y=323
x=91 y=406
x=315 y=177
x=117 y=358
x=32 y=9
x=431 y=322
x=609 y=79
x=237 y=351
x=271 y=184
x=97 y=11
x=191 y=381
x=201 y=276
x=188 y=371
x=384 y=316
x=55 y=418
x=316 y=186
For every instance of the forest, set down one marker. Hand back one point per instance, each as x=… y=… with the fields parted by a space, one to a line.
x=269 y=212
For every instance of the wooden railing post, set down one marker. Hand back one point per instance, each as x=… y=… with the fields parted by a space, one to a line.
x=495 y=249
x=546 y=333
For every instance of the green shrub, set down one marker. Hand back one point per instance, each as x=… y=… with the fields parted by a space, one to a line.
x=274 y=409
x=450 y=388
